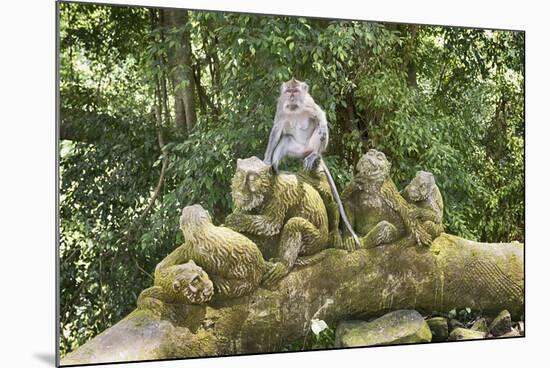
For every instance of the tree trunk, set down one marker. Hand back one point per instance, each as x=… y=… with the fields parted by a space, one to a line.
x=411 y=65
x=181 y=70
x=452 y=273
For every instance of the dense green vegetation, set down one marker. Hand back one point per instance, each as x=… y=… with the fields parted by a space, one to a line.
x=156 y=105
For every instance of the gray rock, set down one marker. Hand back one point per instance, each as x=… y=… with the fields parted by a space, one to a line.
x=399 y=327
x=455 y=323
x=465 y=334
x=521 y=328
x=501 y=324
x=439 y=328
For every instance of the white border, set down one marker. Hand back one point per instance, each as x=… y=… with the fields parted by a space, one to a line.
x=27 y=182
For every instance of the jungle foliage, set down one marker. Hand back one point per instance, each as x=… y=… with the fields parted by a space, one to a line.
x=156 y=105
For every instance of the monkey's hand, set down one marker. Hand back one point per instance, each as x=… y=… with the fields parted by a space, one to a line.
x=235 y=221
x=274 y=273
x=309 y=161
x=254 y=224
x=422 y=236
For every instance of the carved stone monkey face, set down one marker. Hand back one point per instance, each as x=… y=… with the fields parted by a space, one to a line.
x=250 y=183
x=192 y=284
x=373 y=167
x=420 y=187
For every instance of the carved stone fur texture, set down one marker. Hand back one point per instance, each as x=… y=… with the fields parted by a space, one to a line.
x=424 y=194
x=278 y=211
x=376 y=210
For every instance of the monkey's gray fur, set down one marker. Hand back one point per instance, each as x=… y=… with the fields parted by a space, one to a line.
x=300 y=130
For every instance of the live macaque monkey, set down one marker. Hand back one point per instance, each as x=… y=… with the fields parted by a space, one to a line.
x=300 y=130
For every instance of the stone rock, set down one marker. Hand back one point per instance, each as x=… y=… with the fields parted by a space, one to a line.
x=399 y=327
x=480 y=325
x=513 y=333
x=455 y=323
x=439 y=328
x=465 y=334
x=521 y=328
x=501 y=324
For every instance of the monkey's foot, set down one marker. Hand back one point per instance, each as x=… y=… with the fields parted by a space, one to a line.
x=406 y=242
x=309 y=161
x=335 y=238
x=275 y=272
x=383 y=233
x=349 y=244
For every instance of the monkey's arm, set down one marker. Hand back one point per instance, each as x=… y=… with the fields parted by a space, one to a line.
x=274 y=138
x=411 y=222
x=178 y=256
x=426 y=214
x=267 y=224
x=318 y=141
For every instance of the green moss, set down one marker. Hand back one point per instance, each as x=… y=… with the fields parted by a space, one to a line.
x=465 y=334
x=399 y=327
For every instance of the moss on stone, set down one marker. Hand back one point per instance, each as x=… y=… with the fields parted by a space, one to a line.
x=399 y=327
x=501 y=324
x=439 y=328
x=366 y=282
x=465 y=334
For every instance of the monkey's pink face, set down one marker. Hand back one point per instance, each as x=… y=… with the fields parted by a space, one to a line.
x=294 y=97
x=293 y=92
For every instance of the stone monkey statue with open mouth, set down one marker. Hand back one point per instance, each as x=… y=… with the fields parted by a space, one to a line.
x=300 y=130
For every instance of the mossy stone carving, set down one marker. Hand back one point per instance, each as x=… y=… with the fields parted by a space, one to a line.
x=380 y=277
x=376 y=210
x=423 y=193
x=280 y=209
x=232 y=262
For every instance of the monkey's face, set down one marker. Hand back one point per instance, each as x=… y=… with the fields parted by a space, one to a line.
x=420 y=187
x=293 y=94
x=250 y=183
x=373 y=167
x=192 y=285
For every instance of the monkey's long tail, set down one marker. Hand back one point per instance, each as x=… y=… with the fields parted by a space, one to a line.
x=339 y=202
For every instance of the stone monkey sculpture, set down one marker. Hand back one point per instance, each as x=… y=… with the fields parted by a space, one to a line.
x=379 y=214
x=300 y=130
x=215 y=262
x=424 y=194
x=277 y=207
x=180 y=284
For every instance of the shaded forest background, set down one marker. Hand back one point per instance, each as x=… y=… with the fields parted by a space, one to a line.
x=156 y=105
